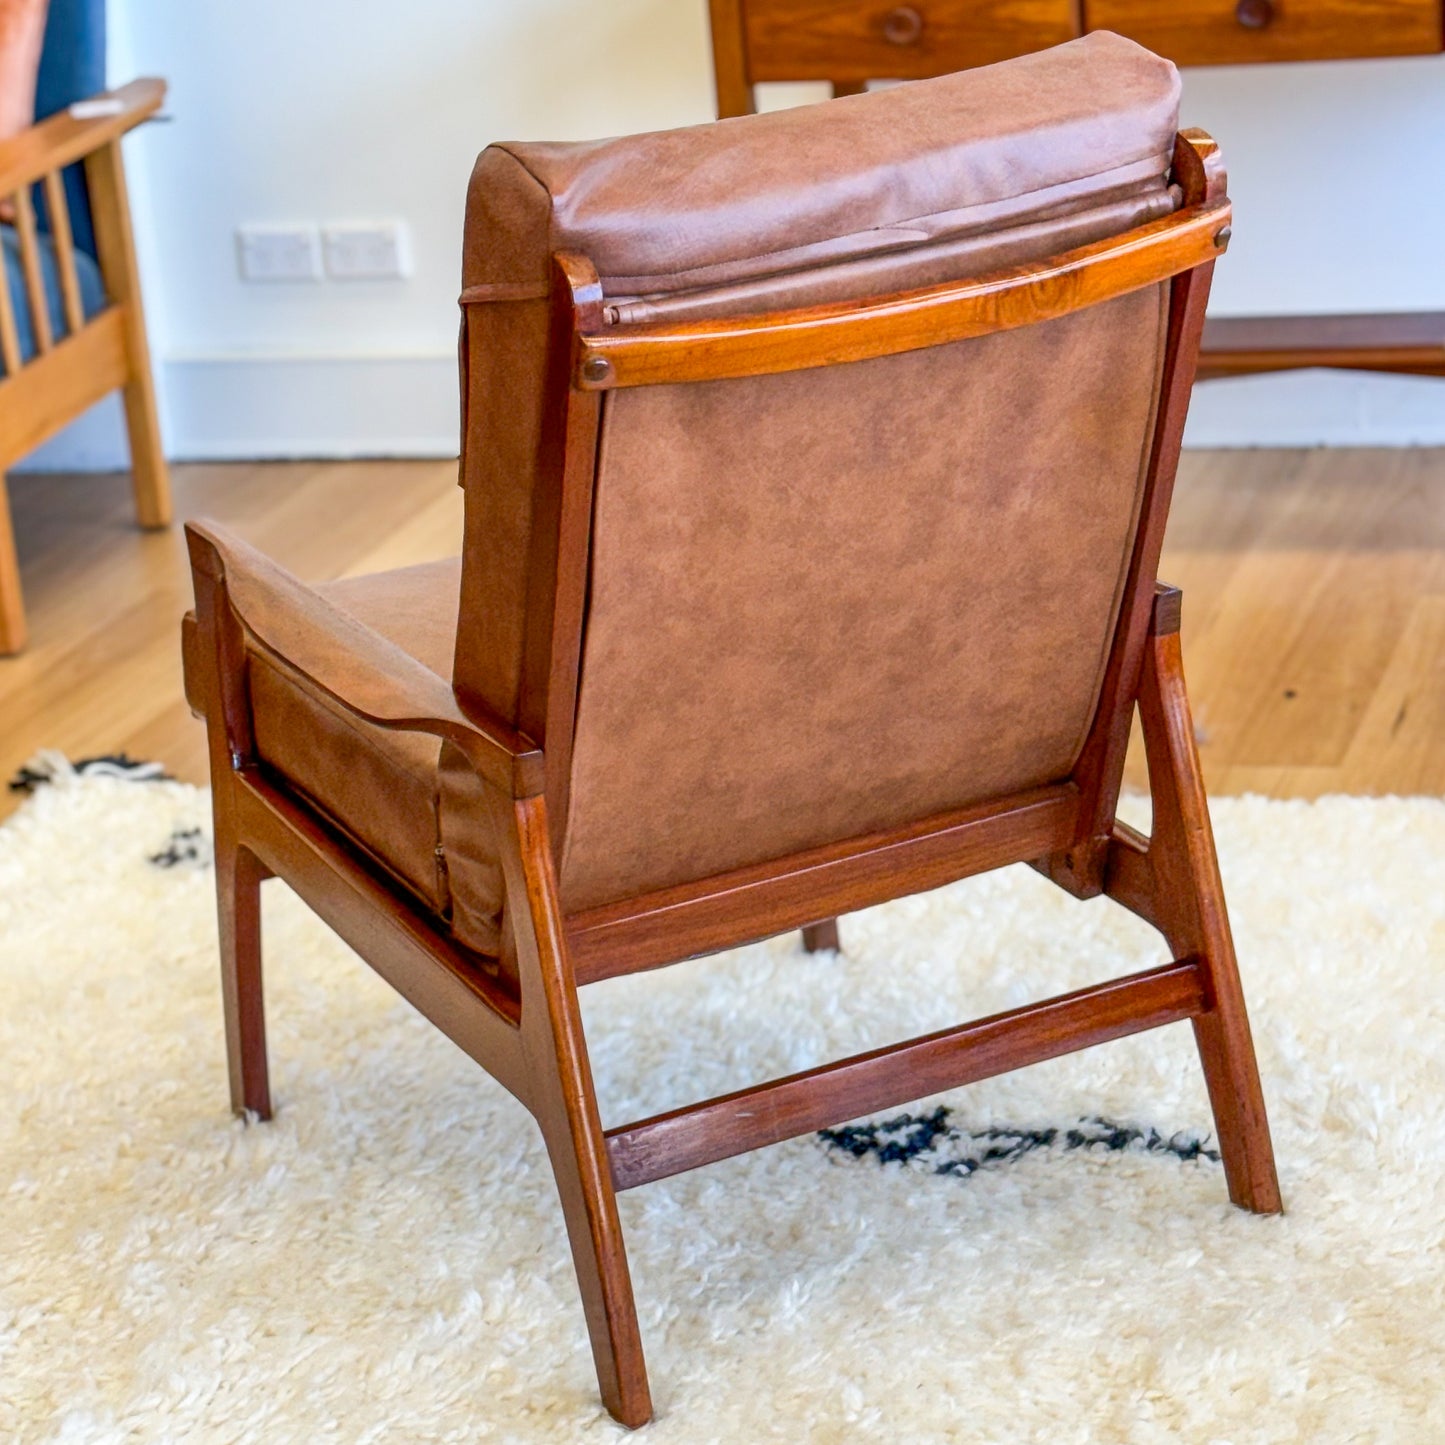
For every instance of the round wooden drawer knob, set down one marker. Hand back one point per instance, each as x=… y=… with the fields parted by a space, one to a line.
x=904 y=25
x=1254 y=14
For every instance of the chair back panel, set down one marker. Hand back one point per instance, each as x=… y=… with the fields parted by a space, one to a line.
x=839 y=600
x=1052 y=150
x=834 y=600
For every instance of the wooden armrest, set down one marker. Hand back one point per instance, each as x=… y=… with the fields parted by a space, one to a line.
x=331 y=654
x=61 y=139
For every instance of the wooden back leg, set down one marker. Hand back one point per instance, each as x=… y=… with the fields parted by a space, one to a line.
x=1173 y=879
x=822 y=937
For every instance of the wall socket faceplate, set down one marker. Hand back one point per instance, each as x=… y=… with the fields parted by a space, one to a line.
x=278 y=253
x=366 y=251
x=344 y=251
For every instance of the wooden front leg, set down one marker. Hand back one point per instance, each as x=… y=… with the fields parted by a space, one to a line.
x=238 y=898
x=216 y=678
x=562 y=1097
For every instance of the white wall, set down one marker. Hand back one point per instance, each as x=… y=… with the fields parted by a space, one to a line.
x=322 y=110
x=1338 y=177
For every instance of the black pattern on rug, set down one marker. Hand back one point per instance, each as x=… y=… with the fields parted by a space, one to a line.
x=932 y=1143
x=188 y=847
x=48 y=766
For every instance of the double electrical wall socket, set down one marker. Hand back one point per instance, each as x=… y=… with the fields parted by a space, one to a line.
x=345 y=251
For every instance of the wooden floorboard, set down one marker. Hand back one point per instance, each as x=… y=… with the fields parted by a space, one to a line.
x=1314 y=611
x=103 y=670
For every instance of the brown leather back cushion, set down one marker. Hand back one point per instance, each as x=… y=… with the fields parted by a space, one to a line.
x=836 y=600
x=830 y=601
x=940 y=178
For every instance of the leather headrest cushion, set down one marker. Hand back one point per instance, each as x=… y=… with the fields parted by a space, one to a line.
x=1002 y=145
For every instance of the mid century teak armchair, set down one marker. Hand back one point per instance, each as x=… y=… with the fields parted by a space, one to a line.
x=816 y=472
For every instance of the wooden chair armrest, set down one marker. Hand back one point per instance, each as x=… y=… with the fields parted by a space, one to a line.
x=61 y=139
x=332 y=655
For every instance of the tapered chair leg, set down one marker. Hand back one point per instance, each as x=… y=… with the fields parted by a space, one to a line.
x=1189 y=903
x=12 y=602
x=564 y=1102
x=589 y=1207
x=822 y=937
x=238 y=897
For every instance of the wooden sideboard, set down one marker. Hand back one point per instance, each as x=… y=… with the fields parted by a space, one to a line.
x=850 y=42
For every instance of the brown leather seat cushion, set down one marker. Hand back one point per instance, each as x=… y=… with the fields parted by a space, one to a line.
x=382 y=787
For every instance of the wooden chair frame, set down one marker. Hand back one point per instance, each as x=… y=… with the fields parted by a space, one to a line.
x=69 y=373
x=530 y=1036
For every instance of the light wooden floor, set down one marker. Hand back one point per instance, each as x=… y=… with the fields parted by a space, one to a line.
x=1314 y=621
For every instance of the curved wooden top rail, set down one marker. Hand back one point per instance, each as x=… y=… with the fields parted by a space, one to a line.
x=657 y=353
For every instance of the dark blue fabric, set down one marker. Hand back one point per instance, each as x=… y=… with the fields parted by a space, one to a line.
x=92 y=292
x=72 y=67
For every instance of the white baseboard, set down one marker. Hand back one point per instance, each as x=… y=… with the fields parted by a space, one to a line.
x=253 y=407
x=250 y=408
x=240 y=408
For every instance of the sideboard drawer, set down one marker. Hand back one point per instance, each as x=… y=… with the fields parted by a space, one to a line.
x=1226 y=32
x=875 y=40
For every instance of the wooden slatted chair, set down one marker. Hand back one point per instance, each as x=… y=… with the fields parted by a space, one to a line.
x=66 y=345
x=816 y=472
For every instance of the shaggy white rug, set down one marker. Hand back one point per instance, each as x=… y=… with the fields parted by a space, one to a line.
x=386 y=1260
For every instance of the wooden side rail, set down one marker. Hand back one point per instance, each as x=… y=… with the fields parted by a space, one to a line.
x=806 y=888
x=885 y=1078
x=50 y=389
